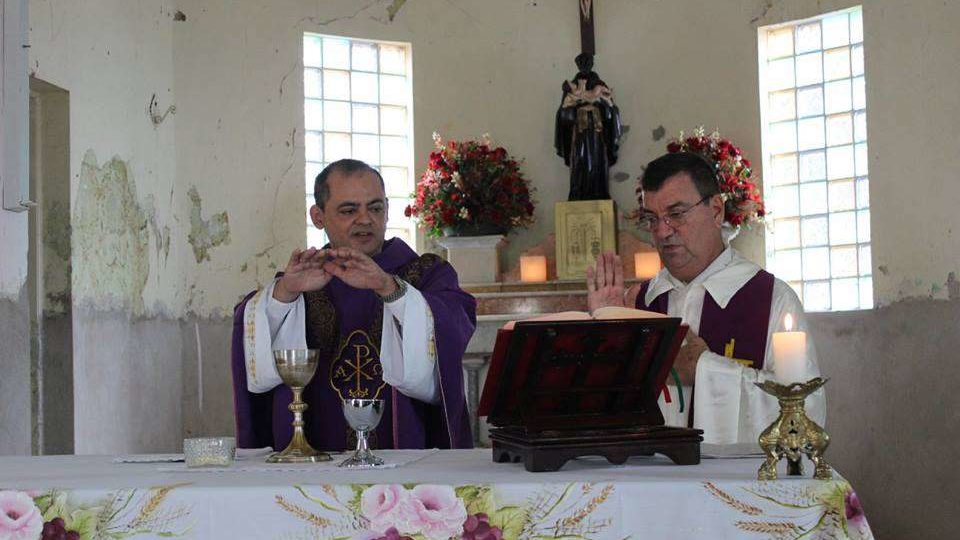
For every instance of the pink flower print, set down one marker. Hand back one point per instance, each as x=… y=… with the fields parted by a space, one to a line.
x=440 y=514
x=389 y=534
x=19 y=517
x=477 y=527
x=386 y=506
x=854 y=511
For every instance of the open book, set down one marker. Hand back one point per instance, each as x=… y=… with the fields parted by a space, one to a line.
x=505 y=337
x=599 y=314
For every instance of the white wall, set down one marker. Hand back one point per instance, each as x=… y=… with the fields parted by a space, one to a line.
x=14 y=334
x=913 y=102
x=112 y=56
x=14 y=330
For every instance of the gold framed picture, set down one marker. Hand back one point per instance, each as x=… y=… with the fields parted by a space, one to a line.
x=584 y=229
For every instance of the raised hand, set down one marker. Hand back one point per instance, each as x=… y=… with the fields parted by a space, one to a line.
x=304 y=272
x=605 y=282
x=358 y=270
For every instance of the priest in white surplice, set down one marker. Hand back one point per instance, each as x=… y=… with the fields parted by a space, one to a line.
x=731 y=305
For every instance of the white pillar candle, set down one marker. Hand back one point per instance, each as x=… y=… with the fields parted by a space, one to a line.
x=789 y=354
x=646 y=264
x=533 y=268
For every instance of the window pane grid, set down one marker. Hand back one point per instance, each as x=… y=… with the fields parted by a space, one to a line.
x=357 y=104
x=815 y=160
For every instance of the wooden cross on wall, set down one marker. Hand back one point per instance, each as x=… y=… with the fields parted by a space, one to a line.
x=586 y=27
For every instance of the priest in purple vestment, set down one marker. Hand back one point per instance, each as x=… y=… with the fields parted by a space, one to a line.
x=387 y=323
x=731 y=305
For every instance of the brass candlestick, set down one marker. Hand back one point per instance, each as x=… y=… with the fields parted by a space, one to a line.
x=296 y=367
x=792 y=433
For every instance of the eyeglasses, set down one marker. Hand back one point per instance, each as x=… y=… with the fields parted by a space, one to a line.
x=674 y=219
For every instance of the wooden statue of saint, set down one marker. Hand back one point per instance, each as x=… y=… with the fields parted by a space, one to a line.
x=587 y=132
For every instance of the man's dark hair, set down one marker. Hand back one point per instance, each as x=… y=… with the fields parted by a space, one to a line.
x=703 y=174
x=347 y=167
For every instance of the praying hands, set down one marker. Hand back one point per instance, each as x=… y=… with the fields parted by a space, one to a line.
x=358 y=270
x=311 y=269
x=304 y=272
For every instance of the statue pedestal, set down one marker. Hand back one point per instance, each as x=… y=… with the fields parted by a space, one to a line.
x=475 y=258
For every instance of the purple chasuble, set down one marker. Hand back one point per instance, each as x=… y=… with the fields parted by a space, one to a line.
x=745 y=320
x=344 y=324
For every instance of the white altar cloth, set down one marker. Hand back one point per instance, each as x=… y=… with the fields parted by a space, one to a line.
x=444 y=495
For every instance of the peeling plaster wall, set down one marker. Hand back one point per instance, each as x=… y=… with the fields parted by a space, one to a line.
x=111 y=76
x=110 y=227
x=128 y=241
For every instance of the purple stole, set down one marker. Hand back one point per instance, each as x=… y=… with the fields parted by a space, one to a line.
x=344 y=324
x=744 y=321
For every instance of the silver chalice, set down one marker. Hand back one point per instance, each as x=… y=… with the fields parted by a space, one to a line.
x=296 y=367
x=363 y=415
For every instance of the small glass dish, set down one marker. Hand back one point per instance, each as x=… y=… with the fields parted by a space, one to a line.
x=209 y=451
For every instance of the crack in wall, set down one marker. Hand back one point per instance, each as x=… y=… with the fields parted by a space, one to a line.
x=763 y=13
x=395 y=8
x=324 y=22
x=161 y=235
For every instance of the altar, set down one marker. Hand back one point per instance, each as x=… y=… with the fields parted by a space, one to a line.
x=436 y=494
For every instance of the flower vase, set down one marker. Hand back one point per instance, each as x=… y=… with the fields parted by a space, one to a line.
x=475 y=258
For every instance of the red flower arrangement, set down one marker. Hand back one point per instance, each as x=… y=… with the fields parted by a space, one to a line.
x=741 y=196
x=471 y=186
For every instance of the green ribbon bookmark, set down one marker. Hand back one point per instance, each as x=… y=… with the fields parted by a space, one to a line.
x=676 y=379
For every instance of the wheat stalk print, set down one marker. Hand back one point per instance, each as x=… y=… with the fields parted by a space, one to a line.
x=330 y=492
x=585 y=511
x=299 y=512
x=115 y=505
x=796 y=511
x=768 y=527
x=573 y=510
x=149 y=509
x=341 y=516
x=731 y=501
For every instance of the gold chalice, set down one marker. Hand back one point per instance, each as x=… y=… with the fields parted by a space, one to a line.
x=296 y=367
